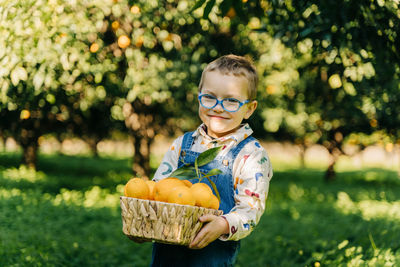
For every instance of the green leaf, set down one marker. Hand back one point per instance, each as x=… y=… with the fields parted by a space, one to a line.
x=225 y=6
x=196 y=167
x=239 y=8
x=213 y=172
x=208 y=8
x=198 y=5
x=185 y=172
x=207 y=156
x=215 y=188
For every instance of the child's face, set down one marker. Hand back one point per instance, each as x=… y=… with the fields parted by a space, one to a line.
x=218 y=121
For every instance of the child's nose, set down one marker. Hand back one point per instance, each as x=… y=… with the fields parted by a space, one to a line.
x=218 y=107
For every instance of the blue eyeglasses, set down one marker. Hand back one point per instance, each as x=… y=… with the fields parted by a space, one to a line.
x=228 y=104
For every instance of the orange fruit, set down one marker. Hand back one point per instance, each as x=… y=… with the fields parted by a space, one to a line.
x=214 y=202
x=25 y=114
x=181 y=195
x=135 y=9
x=124 y=41
x=202 y=194
x=115 y=25
x=139 y=41
x=151 y=185
x=231 y=13
x=137 y=188
x=163 y=187
x=94 y=47
x=187 y=183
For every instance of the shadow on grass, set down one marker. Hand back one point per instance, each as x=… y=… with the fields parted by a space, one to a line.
x=303 y=223
x=371 y=177
x=69 y=165
x=301 y=234
x=372 y=183
x=70 y=172
x=36 y=232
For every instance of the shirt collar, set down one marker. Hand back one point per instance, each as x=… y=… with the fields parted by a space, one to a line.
x=239 y=135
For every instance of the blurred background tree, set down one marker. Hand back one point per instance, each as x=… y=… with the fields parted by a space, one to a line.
x=353 y=62
x=329 y=72
x=48 y=75
x=347 y=58
x=161 y=49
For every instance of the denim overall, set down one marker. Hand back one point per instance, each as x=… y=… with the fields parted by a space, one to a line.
x=217 y=253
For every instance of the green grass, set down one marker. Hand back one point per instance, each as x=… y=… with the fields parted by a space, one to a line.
x=67 y=214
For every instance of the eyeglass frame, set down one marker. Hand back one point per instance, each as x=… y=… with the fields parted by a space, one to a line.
x=219 y=102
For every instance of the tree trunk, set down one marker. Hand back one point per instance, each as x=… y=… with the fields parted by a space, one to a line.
x=93 y=142
x=140 y=119
x=398 y=166
x=3 y=141
x=330 y=173
x=30 y=149
x=60 y=140
x=141 y=157
x=302 y=155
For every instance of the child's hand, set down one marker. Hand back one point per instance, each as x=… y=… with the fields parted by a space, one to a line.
x=214 y=227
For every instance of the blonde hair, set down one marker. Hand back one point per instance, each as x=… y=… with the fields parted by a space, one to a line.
x=237 y=66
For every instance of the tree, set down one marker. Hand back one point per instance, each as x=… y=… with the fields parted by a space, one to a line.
x=138 y=64
x=47 y=68
x=351 y=62
x=348 y=61
x=160 y=63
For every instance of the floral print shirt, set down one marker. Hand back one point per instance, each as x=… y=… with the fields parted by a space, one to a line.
x=252 y=172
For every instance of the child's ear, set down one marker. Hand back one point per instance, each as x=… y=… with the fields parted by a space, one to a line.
x=251 y=107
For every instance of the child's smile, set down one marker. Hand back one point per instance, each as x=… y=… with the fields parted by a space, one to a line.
x=217 y=117
x=220 y=122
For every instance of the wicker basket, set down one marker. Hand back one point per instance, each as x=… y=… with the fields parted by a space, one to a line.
x=160 y=221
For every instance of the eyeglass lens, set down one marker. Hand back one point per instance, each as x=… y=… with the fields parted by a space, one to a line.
x=229 y=104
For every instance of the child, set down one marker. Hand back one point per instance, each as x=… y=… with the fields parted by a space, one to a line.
x=227 y=94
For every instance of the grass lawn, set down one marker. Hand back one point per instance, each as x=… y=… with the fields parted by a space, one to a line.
x=67 y=214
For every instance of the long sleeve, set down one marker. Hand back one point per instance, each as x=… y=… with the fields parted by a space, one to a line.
x=251 y=174
x=170 y=160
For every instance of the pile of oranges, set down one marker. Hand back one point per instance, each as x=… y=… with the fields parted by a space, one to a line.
x=172 y=190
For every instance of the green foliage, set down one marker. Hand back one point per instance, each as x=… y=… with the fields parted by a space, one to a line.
x=207 y=156
x=50 y=81
x=343 y=64
x=136 y=64
x=327 y=70
x=67 y=213
x=337 y=224
x=44 y=49
x=192 y=171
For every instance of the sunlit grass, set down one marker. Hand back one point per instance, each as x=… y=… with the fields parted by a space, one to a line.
x=369 y=209
x=23 y=173
x=67 y=213
x=61 y=226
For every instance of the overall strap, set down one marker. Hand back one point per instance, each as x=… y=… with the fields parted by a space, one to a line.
x=187 y=141
x=235 y=151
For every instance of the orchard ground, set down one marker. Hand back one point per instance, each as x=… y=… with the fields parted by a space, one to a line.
x=282 y=154
x=67 y=213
